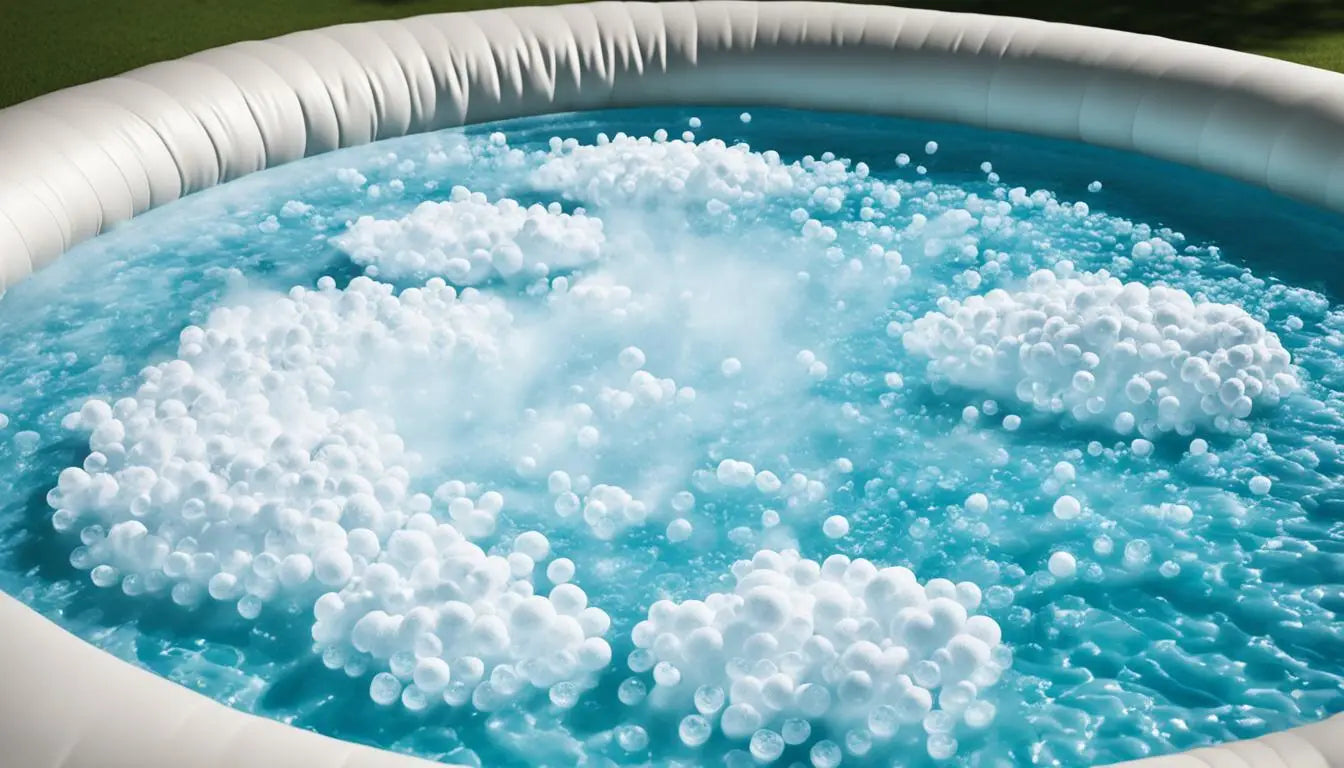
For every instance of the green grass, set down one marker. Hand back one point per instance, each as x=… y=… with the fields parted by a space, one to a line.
x=51 y=44
x=1325 y=51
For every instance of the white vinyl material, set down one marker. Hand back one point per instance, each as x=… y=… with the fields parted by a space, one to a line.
x=66 y=704
x=79 y=160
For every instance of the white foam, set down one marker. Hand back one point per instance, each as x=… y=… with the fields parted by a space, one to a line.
x=468 y=240
x=835 y=643
x=240 y=472
x=627 y=170
x=457 y=626
x=1112 y=353
x=221 y=461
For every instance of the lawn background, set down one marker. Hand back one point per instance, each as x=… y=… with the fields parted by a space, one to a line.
x=51 y=44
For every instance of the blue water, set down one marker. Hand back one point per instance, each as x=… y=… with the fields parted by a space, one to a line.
x=1118 y=663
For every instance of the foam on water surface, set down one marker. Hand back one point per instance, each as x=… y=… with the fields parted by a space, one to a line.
x=533 y=444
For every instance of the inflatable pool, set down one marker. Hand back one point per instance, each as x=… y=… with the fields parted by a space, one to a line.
x=83 y=160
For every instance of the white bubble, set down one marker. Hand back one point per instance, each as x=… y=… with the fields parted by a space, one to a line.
x=709 y=699
x=976 y=504
x=766 y=745
x=1062 y=565
x=560 y=570
x=385 y=689
x=632 y=691
x=564 y=694
x=1064 y=472
x=631 y=358
x=694 y=730
x=1259 y=485
x=835 y=526
x=632 y=738
x=825 y=754
x=1067 y=508
x=679 y=530
x=941 y=746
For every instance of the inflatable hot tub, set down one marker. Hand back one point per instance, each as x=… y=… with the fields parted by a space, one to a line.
x=79 y=161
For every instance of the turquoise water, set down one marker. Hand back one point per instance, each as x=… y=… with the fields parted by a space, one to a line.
x=1227 y=628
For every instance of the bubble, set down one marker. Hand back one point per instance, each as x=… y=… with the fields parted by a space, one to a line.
x=766 y=745
x=631 y=358
x=1067 y=508
x=640 y=660
x=941 y=746
x=564 y=694
x=1137 y=552
x=835 y=527
x=632 y=738
x=694 y=730
x=632 y=691
x=795 y=731
x=679 y=530
x=560 y=570
x=1062 y=565
x=666 y=675
x=858 y=742
x=709 y=699
x=385 y=689
x=825 y=754
x=976 y=504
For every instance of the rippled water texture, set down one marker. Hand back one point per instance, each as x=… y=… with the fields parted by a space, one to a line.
x=698 y=353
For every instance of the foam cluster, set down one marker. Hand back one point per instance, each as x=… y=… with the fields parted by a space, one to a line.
x=244 y=471
x=606 y=509
x=1124 y=355
x=627 y=169
x=446 y=623
x=468 y=240
x=864 y=650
